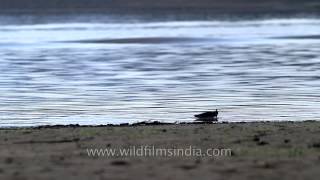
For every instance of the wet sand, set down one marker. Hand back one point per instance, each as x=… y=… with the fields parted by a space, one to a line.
x=266 y=150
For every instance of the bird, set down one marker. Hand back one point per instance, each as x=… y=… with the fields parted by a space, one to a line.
x=208 y=116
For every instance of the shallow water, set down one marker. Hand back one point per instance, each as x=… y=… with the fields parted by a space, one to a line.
x=63 y=70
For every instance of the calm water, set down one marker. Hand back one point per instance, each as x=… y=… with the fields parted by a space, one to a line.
x=99 y=71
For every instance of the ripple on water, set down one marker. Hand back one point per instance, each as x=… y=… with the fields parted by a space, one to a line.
x=115 y=78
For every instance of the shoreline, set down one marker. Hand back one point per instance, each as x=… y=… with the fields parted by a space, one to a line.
x=273 y=150
x=148 y=123
x=148 y=6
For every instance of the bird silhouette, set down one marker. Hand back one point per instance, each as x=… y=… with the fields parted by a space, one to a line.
x=208 y=116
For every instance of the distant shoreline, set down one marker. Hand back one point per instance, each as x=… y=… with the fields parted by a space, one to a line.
x=149 y=6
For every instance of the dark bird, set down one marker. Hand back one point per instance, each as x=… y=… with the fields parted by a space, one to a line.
x=208 y=116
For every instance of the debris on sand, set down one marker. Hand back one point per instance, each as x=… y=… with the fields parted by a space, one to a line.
x=144 y=123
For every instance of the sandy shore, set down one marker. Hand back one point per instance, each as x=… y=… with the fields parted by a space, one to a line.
x=268 y=150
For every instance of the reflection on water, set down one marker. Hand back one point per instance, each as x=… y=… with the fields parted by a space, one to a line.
x=99 y=73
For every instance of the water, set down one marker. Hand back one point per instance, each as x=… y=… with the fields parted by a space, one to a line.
x=66 y=70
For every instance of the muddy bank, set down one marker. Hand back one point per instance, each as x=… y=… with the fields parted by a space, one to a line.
x=268 y=150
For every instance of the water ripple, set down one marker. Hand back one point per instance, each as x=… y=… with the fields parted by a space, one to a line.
x=52 y=77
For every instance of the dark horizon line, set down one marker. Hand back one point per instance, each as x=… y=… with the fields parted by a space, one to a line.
x=213 y=5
